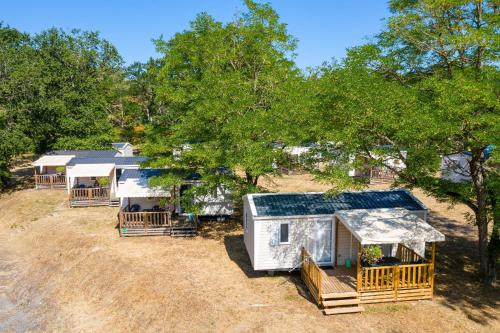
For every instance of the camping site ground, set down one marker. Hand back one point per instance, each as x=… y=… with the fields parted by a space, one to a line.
x=65 y=269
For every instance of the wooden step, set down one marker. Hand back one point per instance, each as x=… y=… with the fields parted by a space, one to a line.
x=339 y=295
x=341 y=302
x=341 y=310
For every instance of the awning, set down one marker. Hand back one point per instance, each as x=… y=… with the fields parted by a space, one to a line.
x=139 y=188
x=53 y=160
x=90 y=170
x=388 y=226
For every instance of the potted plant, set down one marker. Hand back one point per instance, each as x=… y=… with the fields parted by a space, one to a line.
x=371 y=255
x=60 y=170
x=103 y=182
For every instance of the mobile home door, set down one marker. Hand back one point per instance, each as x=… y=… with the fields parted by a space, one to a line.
x=320 y=242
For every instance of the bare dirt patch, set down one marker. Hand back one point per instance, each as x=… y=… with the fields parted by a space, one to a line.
x=70 y=271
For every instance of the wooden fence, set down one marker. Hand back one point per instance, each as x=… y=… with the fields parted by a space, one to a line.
x=381 y=174
x=89 y=195
x=411 y=280
x=50 y=181
x=144 y=220
x=311 y=274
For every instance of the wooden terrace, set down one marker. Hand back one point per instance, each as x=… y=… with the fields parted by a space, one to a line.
x=342 y=290
x=152 y=223
x=50 y=181
x=91 y=196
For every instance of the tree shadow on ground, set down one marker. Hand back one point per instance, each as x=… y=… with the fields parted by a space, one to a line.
x=457 y=279
x=22 y=175
x=457 y=261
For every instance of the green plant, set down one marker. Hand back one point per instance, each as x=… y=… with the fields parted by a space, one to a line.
x=372 y=253
x=103 y=182
x=60 y=169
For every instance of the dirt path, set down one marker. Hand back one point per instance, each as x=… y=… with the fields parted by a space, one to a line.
x=67 y=270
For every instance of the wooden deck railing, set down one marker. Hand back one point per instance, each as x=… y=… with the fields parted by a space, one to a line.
x=144 y=220
x=381 y=173
x=89 y=194
x=407 y=255
x=414 y=273
x=409 y=276
x=311 y=274
x=50 y=181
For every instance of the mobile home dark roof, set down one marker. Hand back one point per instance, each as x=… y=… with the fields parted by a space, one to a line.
x=86 y=153
x=147 y=173
x=119 y=161
x=297 y=204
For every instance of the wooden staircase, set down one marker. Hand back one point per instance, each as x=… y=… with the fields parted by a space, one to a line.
x=334 y=290
x=183 y=231
x=340 y=303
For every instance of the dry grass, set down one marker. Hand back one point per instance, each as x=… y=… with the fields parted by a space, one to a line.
x=67 y=270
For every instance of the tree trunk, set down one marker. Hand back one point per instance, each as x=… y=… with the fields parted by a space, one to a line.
x=494 y=246
x=481 y=214
x=251 y=180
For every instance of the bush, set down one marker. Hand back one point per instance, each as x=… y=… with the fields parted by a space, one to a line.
x=103 y=182
x=60 y=169
x=372 y=254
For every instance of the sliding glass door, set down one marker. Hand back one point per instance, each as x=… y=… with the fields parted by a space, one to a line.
x=320 y=242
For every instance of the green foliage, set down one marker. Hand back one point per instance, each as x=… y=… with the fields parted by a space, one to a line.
x=227 y=95
x=56 y=86
x=103 y=181
x=372 y=254
x=60 y=169
x=428 y=85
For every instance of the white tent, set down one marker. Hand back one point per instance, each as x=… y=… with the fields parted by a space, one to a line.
x=53 y=160
x=388 y=226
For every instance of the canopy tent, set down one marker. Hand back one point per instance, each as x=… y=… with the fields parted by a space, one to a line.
x=134 y=184
x=53 y=160
x=388 y=226
x=90 y=170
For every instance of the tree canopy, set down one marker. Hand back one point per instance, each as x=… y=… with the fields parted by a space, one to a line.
x=427 y=85
x=227 y=91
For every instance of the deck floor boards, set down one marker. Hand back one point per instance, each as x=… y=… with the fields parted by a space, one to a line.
x=339 y=280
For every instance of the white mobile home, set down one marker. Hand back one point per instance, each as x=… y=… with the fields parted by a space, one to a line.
x=327 y=236
x=50 y=168
x=456 y=167
x=144 y=212
x=93 y=181
x=277 y=225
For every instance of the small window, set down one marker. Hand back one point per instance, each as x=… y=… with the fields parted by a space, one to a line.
x=284 y=233
x=245 y=221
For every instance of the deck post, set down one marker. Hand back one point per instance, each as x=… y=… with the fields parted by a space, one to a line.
x=395 y=281
x=120 y=222
x=320 y=286
x=431 y=269
x=358 y=269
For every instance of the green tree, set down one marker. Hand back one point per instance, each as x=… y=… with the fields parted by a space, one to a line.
x=58 y=87
x=227 y=94
x=428 y=85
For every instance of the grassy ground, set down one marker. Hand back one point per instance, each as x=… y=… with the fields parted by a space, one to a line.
x=66 y=269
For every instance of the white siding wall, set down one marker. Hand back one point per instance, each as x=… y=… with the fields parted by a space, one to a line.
x=219 y=204
x=249 y=231
x=455 y=168
x=347 y=245
x=269 y=254
x=127 y=151
x=145 y=203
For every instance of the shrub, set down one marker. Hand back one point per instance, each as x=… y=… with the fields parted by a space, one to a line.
x=103 y=181
x=60 y=169
x=372 y=254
